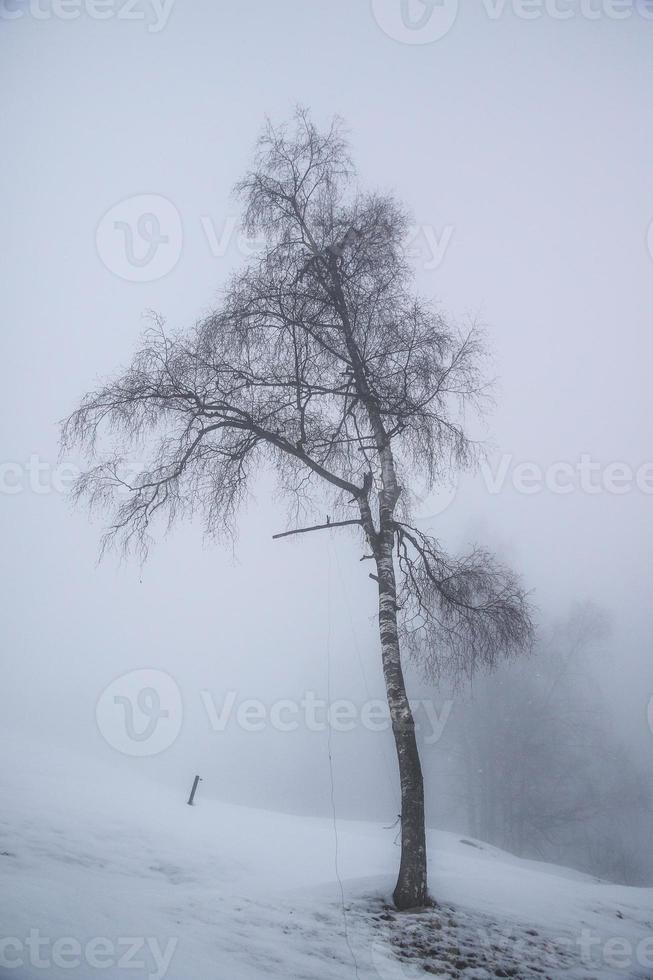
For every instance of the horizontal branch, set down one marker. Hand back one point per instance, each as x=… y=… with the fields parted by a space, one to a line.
x=317 y=527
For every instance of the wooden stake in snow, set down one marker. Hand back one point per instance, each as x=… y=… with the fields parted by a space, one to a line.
x=196 y=783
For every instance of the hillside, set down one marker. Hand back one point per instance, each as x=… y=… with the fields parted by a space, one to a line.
x=108 y=871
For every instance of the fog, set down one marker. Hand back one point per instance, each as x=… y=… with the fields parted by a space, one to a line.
x=524 y=150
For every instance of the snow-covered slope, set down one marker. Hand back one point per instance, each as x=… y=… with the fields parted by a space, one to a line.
x=103 y=871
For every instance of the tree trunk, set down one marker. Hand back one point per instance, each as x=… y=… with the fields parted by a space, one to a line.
x=411 y=890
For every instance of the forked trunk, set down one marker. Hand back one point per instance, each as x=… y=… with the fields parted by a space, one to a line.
x=411 y=889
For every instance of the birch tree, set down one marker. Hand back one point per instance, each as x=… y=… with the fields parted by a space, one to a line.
x=321 y=364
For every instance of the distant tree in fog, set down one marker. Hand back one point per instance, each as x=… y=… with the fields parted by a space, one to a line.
x=321 y=364
x=539 y=769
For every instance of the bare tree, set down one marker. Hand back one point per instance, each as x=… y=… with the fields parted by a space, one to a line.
x=538 y=764
x=322 y=365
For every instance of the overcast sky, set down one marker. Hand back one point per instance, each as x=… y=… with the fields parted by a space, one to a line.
x=524 y=150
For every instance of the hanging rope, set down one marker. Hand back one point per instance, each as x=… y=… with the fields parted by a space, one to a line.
x=392 y=780
x=330 y=753
x=392 y=827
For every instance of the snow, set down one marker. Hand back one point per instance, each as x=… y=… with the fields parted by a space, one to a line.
x=104 y=870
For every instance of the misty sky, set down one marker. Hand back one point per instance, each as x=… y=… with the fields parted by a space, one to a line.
x=524 y=150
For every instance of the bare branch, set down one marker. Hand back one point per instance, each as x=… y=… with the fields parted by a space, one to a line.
x=460 y=614
x=316 y=527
